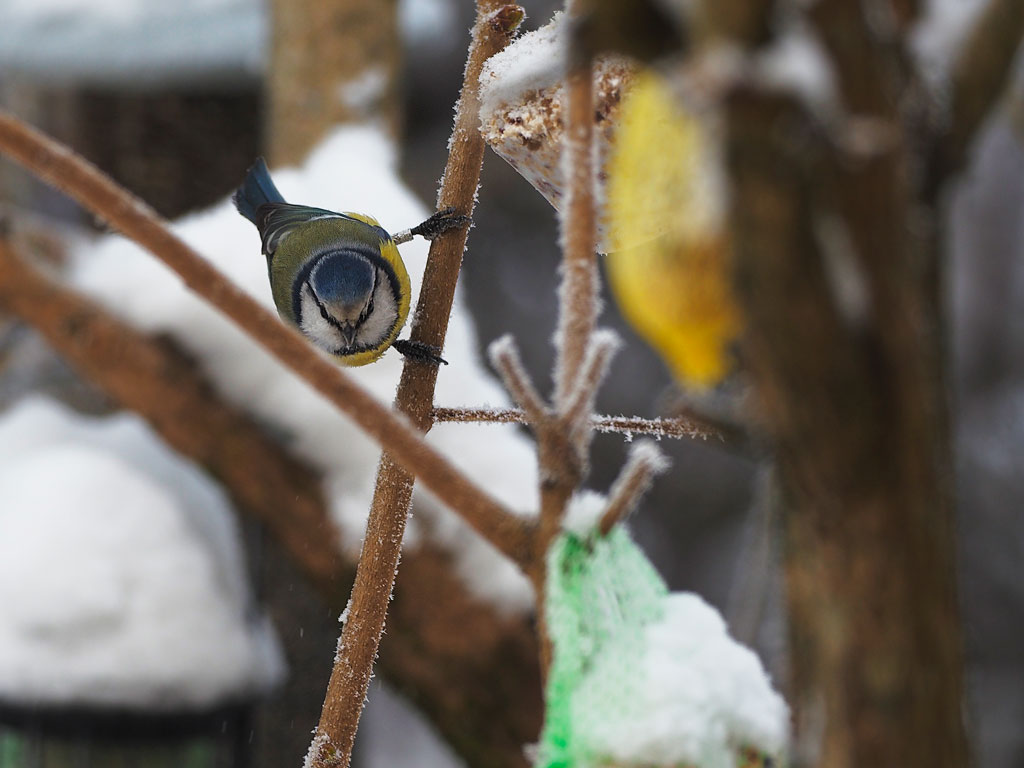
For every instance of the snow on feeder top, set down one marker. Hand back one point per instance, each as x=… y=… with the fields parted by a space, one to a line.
x=121 y=574
x=523 y=107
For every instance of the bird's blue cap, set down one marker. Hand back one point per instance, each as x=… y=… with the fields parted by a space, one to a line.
x=342 y=277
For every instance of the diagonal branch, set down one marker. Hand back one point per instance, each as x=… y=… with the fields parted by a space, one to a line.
x=980 y=76
x=378 y=563
x=60 y=167
x=645 y=461
x=579 y=404
x=505 y=358
x=482 y=695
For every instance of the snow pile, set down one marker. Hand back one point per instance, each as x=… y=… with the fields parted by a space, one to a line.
x=642 y=677
x=700 y=695
x=121 y=577
x=354 y=170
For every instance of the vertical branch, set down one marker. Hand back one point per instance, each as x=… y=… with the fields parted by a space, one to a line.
x=563 y=455
x=378 y=562
x=579 y=291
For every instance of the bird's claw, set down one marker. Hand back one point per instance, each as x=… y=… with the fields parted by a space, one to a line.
x=443 y=221
x=420 y=352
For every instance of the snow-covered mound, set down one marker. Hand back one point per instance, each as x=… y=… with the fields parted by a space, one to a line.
x=122 y=578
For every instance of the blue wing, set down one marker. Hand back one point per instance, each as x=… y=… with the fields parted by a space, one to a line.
x=257 y=190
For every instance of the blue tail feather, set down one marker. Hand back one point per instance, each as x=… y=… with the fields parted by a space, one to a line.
x=257 y=189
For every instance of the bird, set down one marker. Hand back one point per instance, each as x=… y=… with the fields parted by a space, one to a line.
x=337 y=277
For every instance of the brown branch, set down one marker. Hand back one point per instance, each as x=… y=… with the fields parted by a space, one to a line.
x=579 y=298
x=505 y=358
x=479 y=686
x=676 y=428
x=871 y=77
x=578 y=405
x=378 y=563
x=645 y=461
x=59 y=166
x=980 y=77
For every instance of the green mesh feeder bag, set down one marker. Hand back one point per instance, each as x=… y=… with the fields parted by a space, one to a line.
x=644 y=677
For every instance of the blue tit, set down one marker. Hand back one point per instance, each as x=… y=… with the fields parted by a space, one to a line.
x=337 y=277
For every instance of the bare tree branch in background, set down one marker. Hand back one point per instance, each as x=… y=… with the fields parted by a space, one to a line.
x=853 y=395
x=331 y=62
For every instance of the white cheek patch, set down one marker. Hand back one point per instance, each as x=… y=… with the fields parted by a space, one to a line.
x=314 y=325
x=381 y=321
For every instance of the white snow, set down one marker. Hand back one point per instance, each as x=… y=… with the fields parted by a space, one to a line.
x=938 y=34
x=426 y=22
x=365 y=90
x=796 y=61
x=535 y=61
x=584 y=511
x=699 y=695
x=122 y=578
x=353 y=170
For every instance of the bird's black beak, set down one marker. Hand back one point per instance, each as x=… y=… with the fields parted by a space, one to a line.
x=348 y=333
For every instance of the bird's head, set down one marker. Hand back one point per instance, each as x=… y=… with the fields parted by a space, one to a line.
x=343 y=283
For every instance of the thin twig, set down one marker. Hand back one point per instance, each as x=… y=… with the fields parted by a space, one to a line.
x=674 y=428
x=59 y=166
x=645 y=461
x=378 y=562
x=505 y=358
x=579 y=404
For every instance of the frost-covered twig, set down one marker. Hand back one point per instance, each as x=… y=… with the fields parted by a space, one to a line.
x=578 y=302
x=645 y=461
x=980 y=76
x=378 y=562
x=505 y=358
x=579 y=404
x=674 y=427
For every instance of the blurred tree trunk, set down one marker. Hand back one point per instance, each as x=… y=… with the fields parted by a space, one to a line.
x=332 y=61
x=835 y=259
